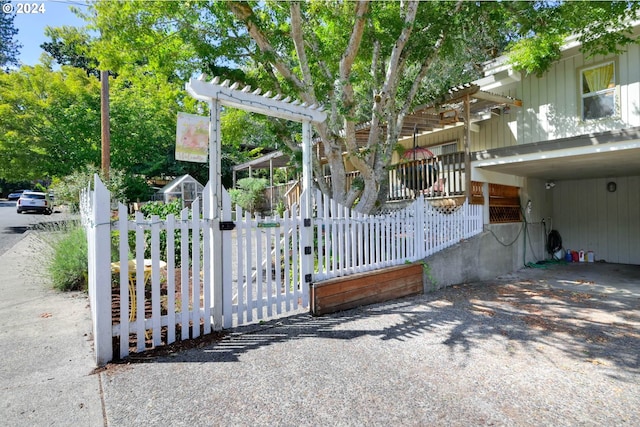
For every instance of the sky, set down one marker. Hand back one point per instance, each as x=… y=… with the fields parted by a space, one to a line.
x=31 y=26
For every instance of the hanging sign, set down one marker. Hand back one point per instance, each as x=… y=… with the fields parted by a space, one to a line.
x=192 y=138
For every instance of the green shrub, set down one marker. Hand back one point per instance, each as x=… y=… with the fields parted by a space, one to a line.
x=68 y=264
x=68 y=189
x=249 y=194
x=136 y=188
x=162 y=210
x=40 y=187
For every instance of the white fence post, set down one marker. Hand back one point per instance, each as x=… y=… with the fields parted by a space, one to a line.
x=226 y=289
x=206 y=272
x=196 y=280
x=125 y=316
x=100 y=272
x=306 y=245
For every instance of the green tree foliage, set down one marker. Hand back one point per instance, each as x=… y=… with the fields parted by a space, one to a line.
x=602 y=27
x=71 y=46
x=364 y=61
x=9 y=47
x=50 y=125
x=143 y=107
x=49 y=122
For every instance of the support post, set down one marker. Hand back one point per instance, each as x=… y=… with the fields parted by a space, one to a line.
x=100 y=272
x=306 y=159
x=215 y=190
x=104 y=122
x=271 y=184
x=306 y=213
x=486 y=212
x=467 y=147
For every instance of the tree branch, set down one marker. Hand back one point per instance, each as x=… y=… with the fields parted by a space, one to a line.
x=298 y=42
x=426 y=64
x=243 y=12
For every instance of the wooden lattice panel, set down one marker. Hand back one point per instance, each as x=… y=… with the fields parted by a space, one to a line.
x=504 y=204
x=500 y=214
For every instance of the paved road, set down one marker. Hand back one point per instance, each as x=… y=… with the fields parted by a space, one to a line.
x=13 y=225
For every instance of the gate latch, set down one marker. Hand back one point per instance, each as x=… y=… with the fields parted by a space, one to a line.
x=227 y=225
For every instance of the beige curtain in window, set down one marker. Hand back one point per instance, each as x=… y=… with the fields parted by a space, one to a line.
x=599 y=78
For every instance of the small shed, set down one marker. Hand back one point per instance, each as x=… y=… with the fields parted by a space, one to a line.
x=184 y=187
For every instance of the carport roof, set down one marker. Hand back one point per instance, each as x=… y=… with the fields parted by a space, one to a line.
x=601 y=155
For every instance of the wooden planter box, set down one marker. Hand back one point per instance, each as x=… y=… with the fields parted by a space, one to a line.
x=342 y=293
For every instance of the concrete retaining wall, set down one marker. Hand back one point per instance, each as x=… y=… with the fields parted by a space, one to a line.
x=500 y=249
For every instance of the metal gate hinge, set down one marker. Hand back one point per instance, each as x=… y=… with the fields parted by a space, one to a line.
x=307 y=222
x=307 y=250
x=307 y=278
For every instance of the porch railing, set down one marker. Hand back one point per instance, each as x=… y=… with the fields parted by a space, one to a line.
x=438 y=177
x=441 y=176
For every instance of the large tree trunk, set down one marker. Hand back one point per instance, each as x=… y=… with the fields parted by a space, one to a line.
x=338 y=133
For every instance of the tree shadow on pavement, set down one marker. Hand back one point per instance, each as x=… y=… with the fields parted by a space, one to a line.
x=584 y=325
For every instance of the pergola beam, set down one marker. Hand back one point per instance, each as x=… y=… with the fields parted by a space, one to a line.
x=254 y=102
x=498 y=99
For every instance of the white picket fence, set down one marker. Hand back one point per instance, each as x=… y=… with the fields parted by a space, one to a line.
x=350 y=242
x=254 y=269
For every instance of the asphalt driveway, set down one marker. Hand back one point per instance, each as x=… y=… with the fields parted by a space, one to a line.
x=545 y=346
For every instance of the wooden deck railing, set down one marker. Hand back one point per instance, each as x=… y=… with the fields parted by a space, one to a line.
x=439 y=177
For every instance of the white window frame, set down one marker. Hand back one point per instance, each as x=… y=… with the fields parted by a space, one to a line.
x=445 y=146
x=613 y=91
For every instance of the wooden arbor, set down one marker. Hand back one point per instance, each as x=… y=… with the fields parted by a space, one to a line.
x=217 y=95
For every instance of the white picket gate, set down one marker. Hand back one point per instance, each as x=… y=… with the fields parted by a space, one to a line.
x=166 y=267
x=177 y=281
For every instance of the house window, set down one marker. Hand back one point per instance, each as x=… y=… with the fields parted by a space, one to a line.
x=446 y=148
x=598 y=91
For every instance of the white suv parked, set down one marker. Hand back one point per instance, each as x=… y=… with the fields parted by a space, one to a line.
x=35 y=201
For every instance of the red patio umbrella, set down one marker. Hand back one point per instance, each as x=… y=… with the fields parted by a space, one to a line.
x=418 y=153
x=419 y=176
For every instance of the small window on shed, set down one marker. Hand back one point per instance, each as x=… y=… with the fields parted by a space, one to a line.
x=598 y=91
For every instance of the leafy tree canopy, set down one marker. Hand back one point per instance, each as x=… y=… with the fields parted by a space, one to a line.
x=48 y=122
x=602 y=27
x=9 y=47
x=365 y=61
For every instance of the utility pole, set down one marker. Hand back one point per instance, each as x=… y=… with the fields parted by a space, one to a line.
x=104 y=113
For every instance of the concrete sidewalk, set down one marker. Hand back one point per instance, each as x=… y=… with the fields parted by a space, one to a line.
x=47 y=357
